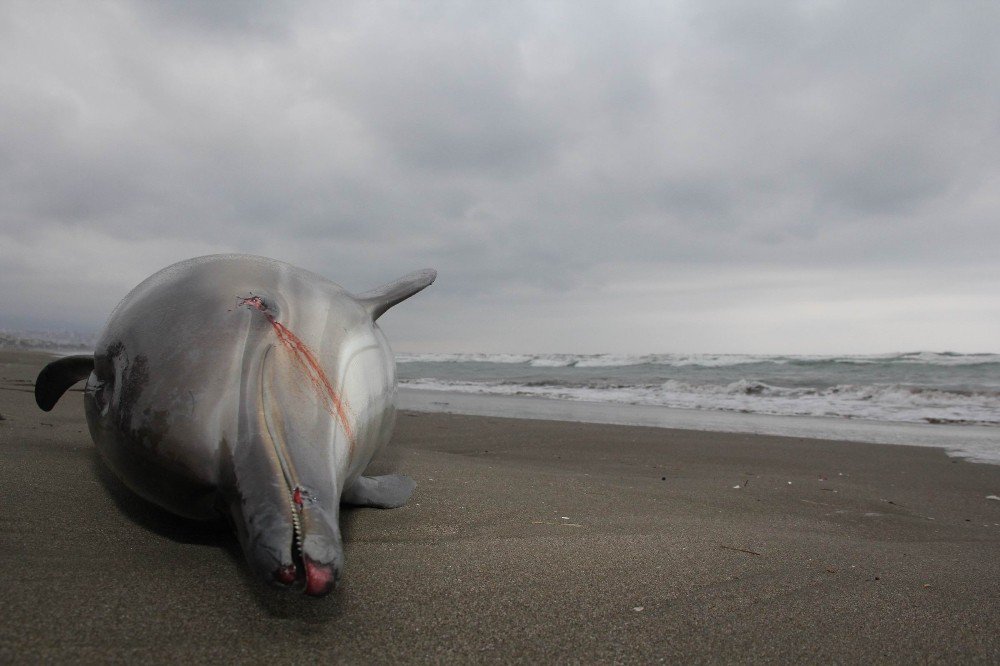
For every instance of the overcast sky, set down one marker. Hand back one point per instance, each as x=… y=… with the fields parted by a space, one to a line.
x=810 y=177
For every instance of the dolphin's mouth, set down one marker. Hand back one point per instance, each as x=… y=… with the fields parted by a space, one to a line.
x=317 y=580
x=292 y=573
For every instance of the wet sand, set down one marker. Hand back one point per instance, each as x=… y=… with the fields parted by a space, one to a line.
x=525 y=541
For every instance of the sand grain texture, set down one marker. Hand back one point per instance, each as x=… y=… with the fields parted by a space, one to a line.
x=525 y=541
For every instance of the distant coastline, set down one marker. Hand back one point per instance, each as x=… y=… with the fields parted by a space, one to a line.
x=54 y=342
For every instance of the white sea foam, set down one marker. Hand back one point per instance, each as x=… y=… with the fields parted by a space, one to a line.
x=553 y=361
x=612 y=360
x=404 y=357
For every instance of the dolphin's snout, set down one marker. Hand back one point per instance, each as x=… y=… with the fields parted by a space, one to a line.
x=301 y=550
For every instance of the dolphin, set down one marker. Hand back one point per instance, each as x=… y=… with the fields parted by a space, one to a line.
x=246 y=387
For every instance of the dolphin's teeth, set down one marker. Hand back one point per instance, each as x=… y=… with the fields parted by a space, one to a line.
x=296 y=524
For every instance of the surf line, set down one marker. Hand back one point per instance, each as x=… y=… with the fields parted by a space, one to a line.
x=310 y=366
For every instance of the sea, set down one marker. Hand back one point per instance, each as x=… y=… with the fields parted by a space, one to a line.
x=928 y=398
x=922 y=398
x=913 y=387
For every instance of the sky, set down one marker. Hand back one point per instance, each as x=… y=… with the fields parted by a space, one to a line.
x=625 y=177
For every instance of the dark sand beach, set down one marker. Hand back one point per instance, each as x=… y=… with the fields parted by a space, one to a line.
x=525 y=541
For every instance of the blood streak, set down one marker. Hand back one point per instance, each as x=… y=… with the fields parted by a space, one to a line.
x=306 y=360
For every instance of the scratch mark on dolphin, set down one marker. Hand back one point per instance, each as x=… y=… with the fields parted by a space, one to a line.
x=307 y=361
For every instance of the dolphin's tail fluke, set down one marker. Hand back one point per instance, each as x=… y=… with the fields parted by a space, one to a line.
x=56 y=378
x=377 y=301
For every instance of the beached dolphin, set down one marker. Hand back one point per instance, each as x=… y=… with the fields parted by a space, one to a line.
x=247 y=387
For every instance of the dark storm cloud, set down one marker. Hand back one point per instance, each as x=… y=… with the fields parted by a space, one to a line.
x=236 y=18
x=553 y=161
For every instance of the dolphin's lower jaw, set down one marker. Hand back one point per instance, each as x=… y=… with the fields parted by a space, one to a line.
x=315 y=579
x=316 y=575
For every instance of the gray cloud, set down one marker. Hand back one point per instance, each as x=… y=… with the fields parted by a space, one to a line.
x=564 y=166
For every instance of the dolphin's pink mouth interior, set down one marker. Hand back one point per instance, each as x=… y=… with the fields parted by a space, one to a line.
x=318 y=579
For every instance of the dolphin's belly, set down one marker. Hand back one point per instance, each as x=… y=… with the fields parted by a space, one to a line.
x=158 y=415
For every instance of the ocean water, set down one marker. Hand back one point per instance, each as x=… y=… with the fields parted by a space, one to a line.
x=916 y=387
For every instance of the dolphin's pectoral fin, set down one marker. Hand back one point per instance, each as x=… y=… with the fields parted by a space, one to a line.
x=56 y=378
x=377 y=301
x=381 y=492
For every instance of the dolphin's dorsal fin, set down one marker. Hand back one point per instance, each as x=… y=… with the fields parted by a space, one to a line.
x=377 y=301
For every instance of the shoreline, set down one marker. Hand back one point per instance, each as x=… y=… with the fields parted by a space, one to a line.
x=974 y=443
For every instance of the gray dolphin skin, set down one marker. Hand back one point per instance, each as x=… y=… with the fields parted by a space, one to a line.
x=247 y=387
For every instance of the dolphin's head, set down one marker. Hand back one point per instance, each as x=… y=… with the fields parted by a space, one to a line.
x=311 y=378
x=287 y=526
x=281 y=478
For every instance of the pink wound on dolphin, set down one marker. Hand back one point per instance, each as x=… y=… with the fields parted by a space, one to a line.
x=306 y=360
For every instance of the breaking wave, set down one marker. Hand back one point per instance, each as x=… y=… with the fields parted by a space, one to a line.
x=888 y=402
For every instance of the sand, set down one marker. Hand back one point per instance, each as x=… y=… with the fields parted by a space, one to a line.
x=525 y=541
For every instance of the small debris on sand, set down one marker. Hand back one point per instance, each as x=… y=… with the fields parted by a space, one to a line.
x=992 y=497
x=739 y=550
